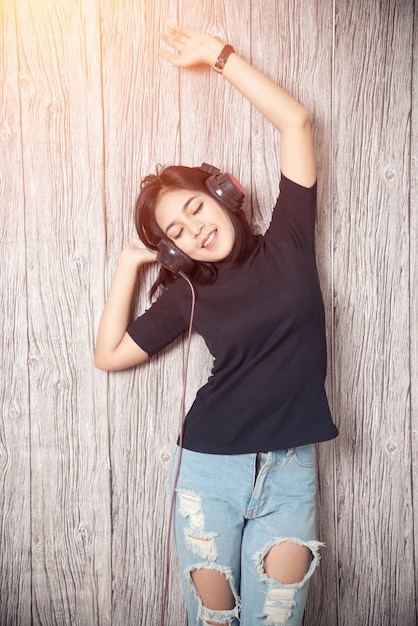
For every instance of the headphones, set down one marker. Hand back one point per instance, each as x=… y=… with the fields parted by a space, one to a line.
x=228 y=192
x=172 y=258
x=224 y=187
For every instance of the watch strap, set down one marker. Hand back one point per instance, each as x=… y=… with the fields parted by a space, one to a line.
x=222 y=58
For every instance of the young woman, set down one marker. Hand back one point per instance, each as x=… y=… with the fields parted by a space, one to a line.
x=245 y=497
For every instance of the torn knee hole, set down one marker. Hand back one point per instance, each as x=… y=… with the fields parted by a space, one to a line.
x=213 y=589
x=288 y=562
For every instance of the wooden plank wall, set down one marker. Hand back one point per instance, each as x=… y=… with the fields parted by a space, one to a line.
x=86 y=109
x=372 y=286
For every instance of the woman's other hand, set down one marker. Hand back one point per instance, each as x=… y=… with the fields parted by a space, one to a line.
x=137 y=253
x=192 y=47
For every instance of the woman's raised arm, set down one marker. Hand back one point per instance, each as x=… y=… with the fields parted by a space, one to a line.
x=297 y=156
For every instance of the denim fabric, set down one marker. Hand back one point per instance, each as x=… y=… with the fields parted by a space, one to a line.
x=229 y=512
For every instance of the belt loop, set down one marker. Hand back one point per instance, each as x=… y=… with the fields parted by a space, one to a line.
x=290 y=452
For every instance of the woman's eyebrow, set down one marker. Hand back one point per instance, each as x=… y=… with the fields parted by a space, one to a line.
x=185 y=205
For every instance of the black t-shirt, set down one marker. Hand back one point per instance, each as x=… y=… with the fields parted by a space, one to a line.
x=263 y=322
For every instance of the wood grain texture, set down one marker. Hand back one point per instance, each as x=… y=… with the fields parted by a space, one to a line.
x=141 y=130
x=15 y=481
x=372 y=332
x=413 y=426
x=59 y=57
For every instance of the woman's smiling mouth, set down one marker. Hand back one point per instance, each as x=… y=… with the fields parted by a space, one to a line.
x=210 y=239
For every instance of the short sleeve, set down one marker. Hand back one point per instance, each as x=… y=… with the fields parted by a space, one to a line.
x=293 y=217
x=161 y=324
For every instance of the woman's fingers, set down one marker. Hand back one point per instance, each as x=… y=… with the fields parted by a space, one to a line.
x=191 y=47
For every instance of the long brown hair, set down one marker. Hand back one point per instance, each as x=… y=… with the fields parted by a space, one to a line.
x=174 y=178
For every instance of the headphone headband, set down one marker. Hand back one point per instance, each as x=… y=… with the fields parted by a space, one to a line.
x=224 y=187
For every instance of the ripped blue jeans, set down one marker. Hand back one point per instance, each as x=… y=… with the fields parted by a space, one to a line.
x=229 y=513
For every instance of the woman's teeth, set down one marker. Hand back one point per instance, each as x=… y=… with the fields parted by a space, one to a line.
x=209 y=240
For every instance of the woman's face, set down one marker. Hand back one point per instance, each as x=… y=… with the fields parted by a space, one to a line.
x=197 y=224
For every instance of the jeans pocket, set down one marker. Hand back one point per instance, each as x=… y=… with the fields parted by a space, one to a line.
x=305 y=456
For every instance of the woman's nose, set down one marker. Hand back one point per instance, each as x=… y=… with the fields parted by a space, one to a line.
x=196 y=227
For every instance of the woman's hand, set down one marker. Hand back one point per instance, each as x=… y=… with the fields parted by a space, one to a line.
x=192 y=47
x=137 y=254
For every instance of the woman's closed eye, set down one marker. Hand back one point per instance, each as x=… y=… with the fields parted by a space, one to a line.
x=192 y=211
x=197 y=209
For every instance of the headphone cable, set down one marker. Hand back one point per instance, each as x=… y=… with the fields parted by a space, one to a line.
x=180 y=449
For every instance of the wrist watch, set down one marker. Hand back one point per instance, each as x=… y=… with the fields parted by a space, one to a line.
x=222 y=58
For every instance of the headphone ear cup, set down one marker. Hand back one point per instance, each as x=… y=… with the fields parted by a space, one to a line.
x=174 y=259
x=227 y=190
